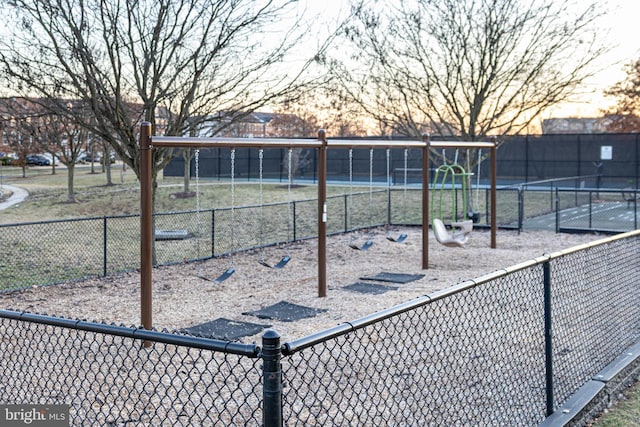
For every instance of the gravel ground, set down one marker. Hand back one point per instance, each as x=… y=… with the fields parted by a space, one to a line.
x=182 y=299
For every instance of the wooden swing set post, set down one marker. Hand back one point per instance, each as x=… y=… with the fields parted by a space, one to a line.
x=425 y=201
x=322 y=214
x=146 y=227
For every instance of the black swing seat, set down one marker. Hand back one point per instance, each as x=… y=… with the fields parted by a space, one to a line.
x=284 y=261
x=401 y=238
x=364 y=247
x=224 y=276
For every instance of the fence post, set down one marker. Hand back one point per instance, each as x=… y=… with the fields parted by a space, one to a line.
x=104 y=246
x=520 y=209
x=272 y=380
x=557 y=210
x=548 y=335
x=295 y=223
x=213 y=233
x=346 y=213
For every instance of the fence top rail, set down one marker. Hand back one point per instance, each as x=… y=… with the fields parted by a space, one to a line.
x=548 y=181
x=220 y=346
x=194 y=142
x=347 y=327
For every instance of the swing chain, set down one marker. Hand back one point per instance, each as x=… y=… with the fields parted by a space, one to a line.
x=233 y=202
x=260 y=175
x=404 y=186
x=371 y=187
x=289 y=207
x=350 y=188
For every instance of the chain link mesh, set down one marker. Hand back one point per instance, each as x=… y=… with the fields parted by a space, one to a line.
x=470 y=355
x=111 y=380
x=474 y=358
x=596 y=310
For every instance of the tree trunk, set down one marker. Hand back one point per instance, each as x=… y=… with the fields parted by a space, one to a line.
x=187 y=154
x=71 y=198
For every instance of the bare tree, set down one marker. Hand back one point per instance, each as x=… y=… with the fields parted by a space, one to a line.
x=163 y=61
x=625 y=115
x=66 y=138
x=20 y=128
x=466 y=68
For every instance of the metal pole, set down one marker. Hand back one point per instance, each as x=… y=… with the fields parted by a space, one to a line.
x=425 y=201
x=272 y=379
x=557 y=211
x=322 y=214
x=146 y=226
x=520 y=208
x=548 y=335
x=104 y=246
x=494 y=167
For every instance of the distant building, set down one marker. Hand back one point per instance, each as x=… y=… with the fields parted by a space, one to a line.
x=251 y=125
x=575 y=125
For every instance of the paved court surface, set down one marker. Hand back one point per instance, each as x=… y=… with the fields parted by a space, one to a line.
x=613 y=216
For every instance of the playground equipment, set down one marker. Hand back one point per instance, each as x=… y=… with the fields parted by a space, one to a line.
x=286 y=258
x=148 y=143
x=447 y=178
x=227 y=273
x=403 y=236
x=459 y=232
x=369 y=242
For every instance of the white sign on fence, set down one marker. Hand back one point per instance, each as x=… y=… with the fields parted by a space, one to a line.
x=606 y=152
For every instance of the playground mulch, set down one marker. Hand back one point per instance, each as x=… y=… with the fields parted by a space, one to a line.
x=181 y=299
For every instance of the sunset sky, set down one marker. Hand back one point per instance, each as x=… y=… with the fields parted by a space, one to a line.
x=622 y=26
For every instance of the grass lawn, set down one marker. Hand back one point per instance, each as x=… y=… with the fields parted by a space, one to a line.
x=623 y=413
x=48 y=197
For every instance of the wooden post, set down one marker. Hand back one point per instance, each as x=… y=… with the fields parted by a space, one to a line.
x=322 y=215
x=425 y=201
x=146 y=226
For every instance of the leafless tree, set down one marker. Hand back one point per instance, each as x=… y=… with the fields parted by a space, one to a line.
x=163 y=61
x=625 y=115
x=20 y=129
x=466 y=68
x=66 y=140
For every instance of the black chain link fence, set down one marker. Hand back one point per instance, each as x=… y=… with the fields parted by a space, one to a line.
x=43 y=253
x=108 y=378
x=50 y=252
x=479 y=353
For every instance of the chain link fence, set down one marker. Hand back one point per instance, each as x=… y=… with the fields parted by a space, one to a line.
x=50 y=252
x=508 y=348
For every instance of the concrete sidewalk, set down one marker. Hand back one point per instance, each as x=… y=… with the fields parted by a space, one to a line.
x=17 y=196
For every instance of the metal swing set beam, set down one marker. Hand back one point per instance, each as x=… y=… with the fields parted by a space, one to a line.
x=147 y=143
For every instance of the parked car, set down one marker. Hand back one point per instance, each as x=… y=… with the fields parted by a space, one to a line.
x=87 y=158
x=112 y=159
x=36 y=159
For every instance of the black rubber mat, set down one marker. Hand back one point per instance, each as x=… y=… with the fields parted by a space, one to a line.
x=285 y=312
x=225 y=329
x=370 y=288
x=394 y=277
